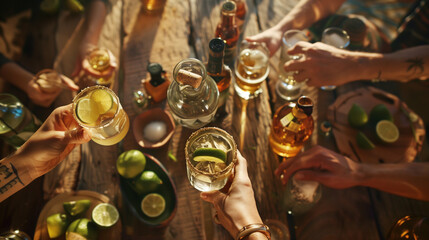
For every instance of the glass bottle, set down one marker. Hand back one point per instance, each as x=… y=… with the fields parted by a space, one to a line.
x=228 y=31
x=17 y=123
x=292 y=126
x=99 y=68
x=158 y=84
x=216 y=69
x=240 y=15
x=193 y=95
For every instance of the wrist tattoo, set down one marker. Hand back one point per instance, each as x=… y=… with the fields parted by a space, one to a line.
x=8 y=177
x=416 y=66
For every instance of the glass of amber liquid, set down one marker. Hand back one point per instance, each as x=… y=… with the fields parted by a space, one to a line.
x=210 y=154
x=251 y=69
x=98 y=109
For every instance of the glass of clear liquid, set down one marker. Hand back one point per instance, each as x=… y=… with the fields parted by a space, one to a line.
x=287 y=88
x=338 y=38
x=98 y=109
x=211 y=154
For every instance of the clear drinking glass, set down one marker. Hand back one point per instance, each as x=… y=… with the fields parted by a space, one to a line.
x=287 y=88
x=49 y=80
x=251 y=69
x=98 y=109
x=216 y=152
x=338 y=38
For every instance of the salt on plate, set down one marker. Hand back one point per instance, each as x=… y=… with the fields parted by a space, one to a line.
x=155 y=131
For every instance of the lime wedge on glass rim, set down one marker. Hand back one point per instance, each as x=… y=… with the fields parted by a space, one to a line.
x=153 y=205
x=105 y=215
x=209 y=155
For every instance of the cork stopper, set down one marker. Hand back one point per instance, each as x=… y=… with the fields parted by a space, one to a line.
x=188 y=78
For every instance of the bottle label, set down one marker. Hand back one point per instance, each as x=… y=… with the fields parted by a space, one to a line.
x=288 y=123
x=286 y=119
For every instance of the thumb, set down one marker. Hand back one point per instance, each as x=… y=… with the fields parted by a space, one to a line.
x=69 y=83
x=77 y=136
x=297 y=48
x=211 y=196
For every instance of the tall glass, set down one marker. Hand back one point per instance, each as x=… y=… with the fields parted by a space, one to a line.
x=338 y=38
x=251 y=69
x=98 y=109
x=210 y=154
x=287 y=88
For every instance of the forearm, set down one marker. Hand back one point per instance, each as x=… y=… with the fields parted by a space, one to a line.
x=16 y=75
x=94 y=22
x=307 y=12
x=14 y=175
x=404 y=179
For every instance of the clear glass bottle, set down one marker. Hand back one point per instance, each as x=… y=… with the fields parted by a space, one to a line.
x=158 y=84
x=228 y=31
x=217 y=70
x=193 y=102
x=240 y=15
x=17 y=123
x=98 y=68
x=292 y=126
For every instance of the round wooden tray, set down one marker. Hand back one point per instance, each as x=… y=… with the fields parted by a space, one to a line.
x=404 y=150
x=55 y=205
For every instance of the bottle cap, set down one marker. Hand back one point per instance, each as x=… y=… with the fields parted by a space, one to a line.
x=154 y=69
x=356 y=29
x=217 y=45
x=229 y=6
x=306 y=104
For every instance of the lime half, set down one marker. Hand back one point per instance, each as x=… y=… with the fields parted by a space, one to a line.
x=387 y=131
x=209 y=155
x=102 y=99
x=105 y=215
x=364 y=142
x=153 y=205
x=86 y=111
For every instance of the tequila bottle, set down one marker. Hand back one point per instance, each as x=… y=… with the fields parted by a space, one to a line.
x=193 y=95
x=228 y=31
x=158 y=84
x=17 y=123
x=240 y=15
x=292 y=126
x=216 y=69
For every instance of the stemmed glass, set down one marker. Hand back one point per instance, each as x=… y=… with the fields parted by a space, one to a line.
x=287 y=88
x=338 y=38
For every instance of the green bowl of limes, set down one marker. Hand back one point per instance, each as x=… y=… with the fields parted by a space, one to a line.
x=150 y=194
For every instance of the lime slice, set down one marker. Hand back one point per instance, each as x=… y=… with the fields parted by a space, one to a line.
x=76 y=207
x=105 y=215
x=387 y=131
x=153 y=205
x=82 y=228
x=211 y=154
x=50 y=6
x=363 y=142
x=357 y=116
x=103 y=100
x=57 y=224
x=86 y=111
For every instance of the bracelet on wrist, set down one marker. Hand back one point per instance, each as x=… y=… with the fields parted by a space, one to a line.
x=251 y=228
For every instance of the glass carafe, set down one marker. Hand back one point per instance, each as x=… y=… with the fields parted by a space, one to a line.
x=193 y=104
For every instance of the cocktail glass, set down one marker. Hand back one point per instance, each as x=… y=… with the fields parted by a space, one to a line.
x=98 y=109
x=338 y=38
x=287 y=88
x=211 y=154
x=251 y=69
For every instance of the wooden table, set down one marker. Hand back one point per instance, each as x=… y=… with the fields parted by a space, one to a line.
x=183 y=30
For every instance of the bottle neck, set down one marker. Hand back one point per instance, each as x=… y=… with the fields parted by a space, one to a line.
x=156 y=80
x=228 y=19
x=299 y=113
x=215 y=63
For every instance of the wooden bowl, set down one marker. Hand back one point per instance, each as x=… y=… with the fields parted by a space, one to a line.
x=167 y=190
x=151 y=115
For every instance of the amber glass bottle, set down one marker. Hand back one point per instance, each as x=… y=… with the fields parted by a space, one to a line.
x=227 y=30
x=218 y=71
x=292 y=126
x=240 y=15
x=158 y=84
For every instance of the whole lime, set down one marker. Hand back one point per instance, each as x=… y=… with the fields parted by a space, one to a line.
x=148 y=181
x=57 y=224
x=131 y=163
x=357 y=116
x=378 y=113
x=83 y=227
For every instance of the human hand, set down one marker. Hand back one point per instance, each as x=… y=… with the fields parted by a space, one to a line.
x=54 y=140
x=236 y=207
x=322 y=165
x=323 y=65
x=271 y=37
x=43 y=98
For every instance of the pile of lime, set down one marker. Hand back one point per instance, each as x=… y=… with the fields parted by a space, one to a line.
x=95 y=106
x=380 y=122
x=53 y=6
x=73 y=224
x=145 y=183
